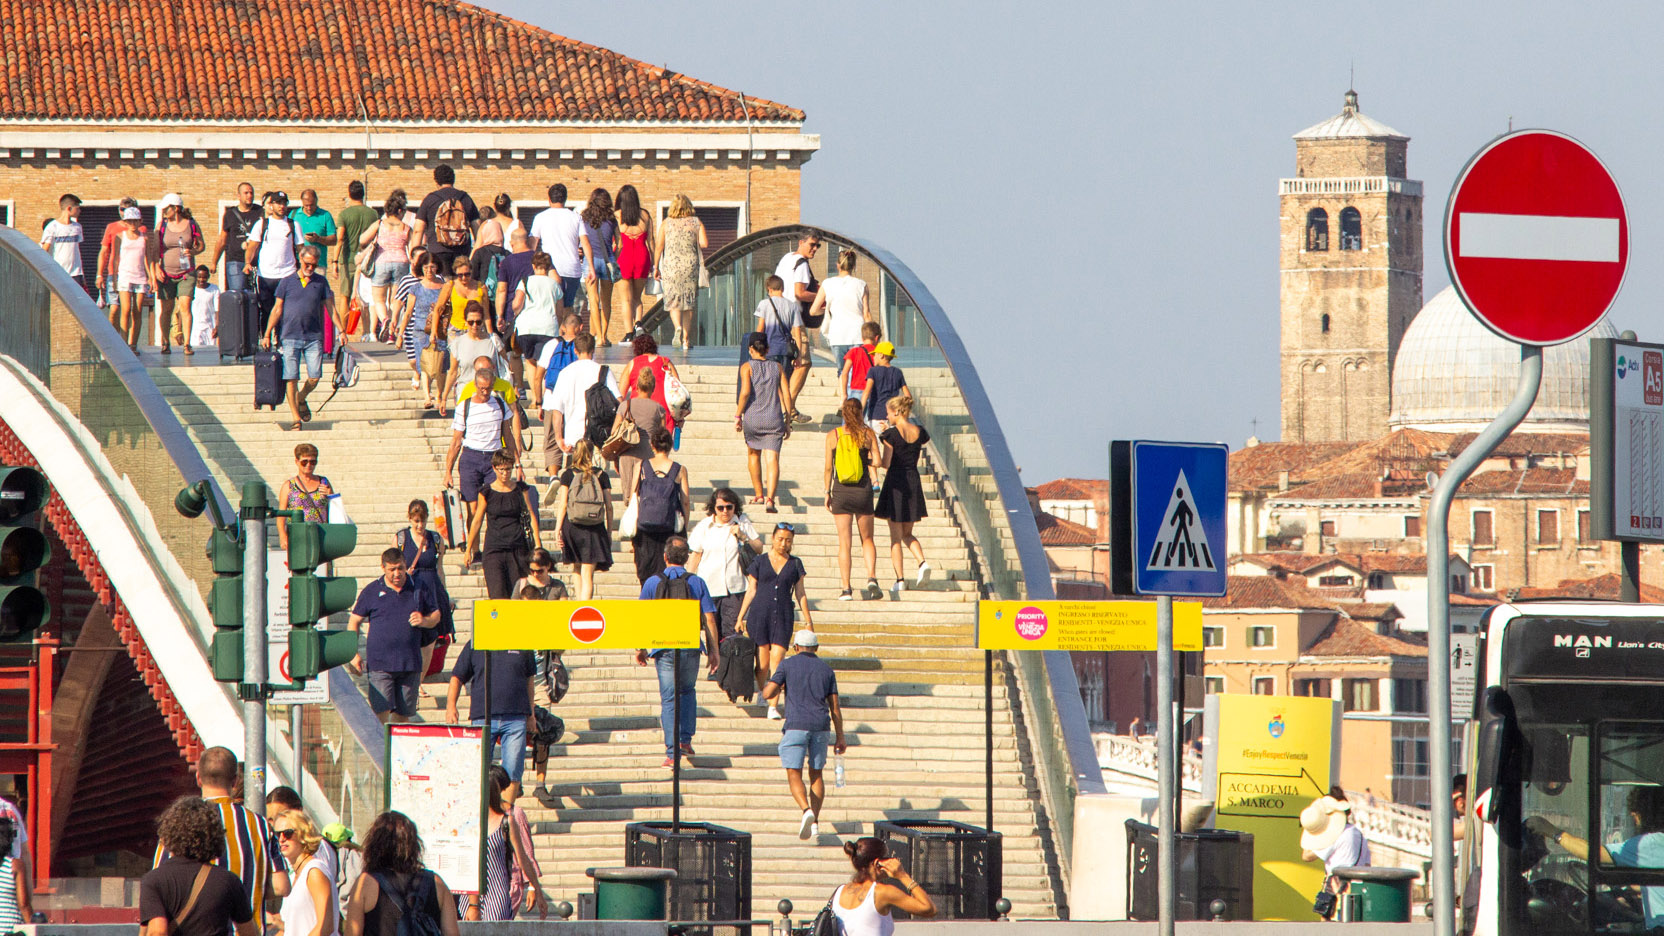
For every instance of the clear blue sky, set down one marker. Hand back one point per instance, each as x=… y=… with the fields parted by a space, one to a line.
x=1090 y=189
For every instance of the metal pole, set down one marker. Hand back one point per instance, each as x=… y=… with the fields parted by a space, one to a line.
x=1629 y=577
x=294 y=741
x=1167 y=850
x=988 y=735
x=676 y=742
x=1178 y=735
x=253 y=515
x=1438 y=630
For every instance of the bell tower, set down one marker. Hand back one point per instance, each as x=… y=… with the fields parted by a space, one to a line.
x=1350 y=275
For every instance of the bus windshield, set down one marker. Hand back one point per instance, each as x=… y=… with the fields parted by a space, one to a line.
x=1589 y=856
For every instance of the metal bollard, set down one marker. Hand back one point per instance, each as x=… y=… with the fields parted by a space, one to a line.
x=563 y=910
x=1217 y=908
x=782 y=926
x=1003 y=908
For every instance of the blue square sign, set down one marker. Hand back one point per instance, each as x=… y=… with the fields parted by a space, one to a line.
x=1178 y=517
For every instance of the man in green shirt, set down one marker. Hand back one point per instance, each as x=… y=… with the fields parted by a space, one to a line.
x=317 y=226
x=356 y=218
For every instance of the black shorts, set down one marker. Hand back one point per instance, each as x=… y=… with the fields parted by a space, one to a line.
x=531 y=346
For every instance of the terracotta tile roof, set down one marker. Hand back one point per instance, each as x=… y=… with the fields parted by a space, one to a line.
x=1414 y=564
x=1474 y=600
x=1301 y=563
x=1086 y=489
x=1373 y=611
x=1529 y=443
x=1524 y=481
x=1345 y=637
x=1600 y=587
x=1056 y=531
x=303 y=60
x=1263 y=591
x=1258 y=467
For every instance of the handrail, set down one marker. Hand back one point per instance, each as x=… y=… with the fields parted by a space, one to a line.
x=1059 y=714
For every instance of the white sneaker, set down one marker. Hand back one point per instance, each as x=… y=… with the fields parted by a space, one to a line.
x=773 y=713
x=899 y=587
x=924 y=572
x=814 y=830
x=807 y=823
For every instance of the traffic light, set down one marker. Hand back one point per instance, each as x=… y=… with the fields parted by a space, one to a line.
x=23 y=550
x=225 y=606
x=313 y=597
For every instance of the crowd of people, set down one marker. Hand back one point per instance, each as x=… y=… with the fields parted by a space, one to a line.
x=222 y=867
x=500 y=324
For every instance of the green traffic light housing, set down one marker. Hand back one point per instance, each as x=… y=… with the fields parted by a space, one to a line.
x=313 y=544
x=311 y=651
x=313 y=597
x=23 y=551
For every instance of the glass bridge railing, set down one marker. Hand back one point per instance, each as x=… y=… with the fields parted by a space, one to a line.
x=50 y=326
x=968 y=450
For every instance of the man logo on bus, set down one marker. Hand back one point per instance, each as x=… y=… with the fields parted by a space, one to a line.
x=1277 y=726
x=1581 y=644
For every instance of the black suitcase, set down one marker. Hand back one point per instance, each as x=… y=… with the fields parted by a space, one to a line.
x=236 y=326
x=268 y=379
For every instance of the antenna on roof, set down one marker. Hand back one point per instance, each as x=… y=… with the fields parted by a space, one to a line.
x=1352 y=75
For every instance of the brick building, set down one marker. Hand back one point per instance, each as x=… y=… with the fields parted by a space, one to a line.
x=144 y=97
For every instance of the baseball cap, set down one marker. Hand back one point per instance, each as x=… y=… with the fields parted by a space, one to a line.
x=130 y=214
x=336 y=833
x=172 y=199
x=884 y=348
x=806 y=638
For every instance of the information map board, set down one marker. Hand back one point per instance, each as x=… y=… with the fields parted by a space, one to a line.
x=1626 y=440
x=434 y=777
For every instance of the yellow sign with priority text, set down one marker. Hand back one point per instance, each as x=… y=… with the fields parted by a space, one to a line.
x=1083 y=625
x=665 y=624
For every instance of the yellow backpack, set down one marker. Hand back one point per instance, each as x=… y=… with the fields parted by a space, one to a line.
x=847 y=464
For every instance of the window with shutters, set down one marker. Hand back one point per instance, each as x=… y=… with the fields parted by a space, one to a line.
x=1262 y=636
x=1583 y=532
x=1548 y=527
x=1326 y=527
x=1265 y=685
x=1358 y=695
x=1213 y=685
x=1484 y=578
x=1412 y=526
x=1409 y=696
x=1213 y=636
x=1312 y=688
x=6 y=214
x=1484 y=534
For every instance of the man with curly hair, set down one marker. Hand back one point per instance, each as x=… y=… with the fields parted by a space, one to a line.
x=187 y=895
x=245 y=842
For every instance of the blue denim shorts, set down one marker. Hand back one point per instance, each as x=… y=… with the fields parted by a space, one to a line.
x=294 y=349
x=798 y=746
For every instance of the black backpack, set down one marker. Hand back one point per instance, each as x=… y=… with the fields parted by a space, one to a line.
x=411 y=916
x=673 y=588
x=825 y=922
x=661 y=499
x=600 y=409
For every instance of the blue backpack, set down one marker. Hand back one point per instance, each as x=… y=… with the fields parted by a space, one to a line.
x=661 y=499
x=563 y=355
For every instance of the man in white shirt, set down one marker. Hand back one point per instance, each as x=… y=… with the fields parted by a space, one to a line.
x=205 y=309
x=62 y=236
x=555 y=231
x=564 y=408
x=271 y=255
x=481 y=426
x=794 y=270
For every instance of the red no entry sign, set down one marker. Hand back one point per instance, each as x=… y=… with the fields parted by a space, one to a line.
x=1536 y=238
x=587 y=624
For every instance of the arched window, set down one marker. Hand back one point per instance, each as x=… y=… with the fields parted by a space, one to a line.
x=1351 y=229
x=1317 y=229
x=1325 y=323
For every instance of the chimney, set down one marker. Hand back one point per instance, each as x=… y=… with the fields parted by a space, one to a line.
x=1282 y=480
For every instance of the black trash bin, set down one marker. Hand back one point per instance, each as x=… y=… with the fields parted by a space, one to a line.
x=959 y=865
x=1214 y=864
x=712 y=862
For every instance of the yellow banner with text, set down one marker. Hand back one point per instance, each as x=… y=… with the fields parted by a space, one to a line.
x=666 y=624
x=1083 y=625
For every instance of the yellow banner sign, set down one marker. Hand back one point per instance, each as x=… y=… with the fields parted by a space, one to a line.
x=666 y=624
x=1083 y=625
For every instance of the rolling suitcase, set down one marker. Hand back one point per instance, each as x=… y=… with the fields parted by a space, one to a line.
x=236 y=326
x=268 y=379
x=447 y=518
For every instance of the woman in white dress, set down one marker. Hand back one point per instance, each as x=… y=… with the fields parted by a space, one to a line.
x=311 y=908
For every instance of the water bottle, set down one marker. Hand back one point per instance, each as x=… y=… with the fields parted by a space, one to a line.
x=838 y=770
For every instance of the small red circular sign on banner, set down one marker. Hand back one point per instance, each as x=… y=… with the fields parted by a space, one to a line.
x=1536 y=237
x=587 y=624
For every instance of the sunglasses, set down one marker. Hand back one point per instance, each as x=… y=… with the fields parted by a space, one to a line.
x=284 y=834
x=307 y=462
x=785 y=526
x=725 y=507
x=476 y=321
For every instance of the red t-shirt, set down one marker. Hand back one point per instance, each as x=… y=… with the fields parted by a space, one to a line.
x=860 y=361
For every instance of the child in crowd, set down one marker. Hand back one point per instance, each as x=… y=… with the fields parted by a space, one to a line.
x=205 y=310
x=858 y=360
x=883 y=382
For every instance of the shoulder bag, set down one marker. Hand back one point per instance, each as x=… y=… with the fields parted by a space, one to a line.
x=190 y=902
x=625 y=435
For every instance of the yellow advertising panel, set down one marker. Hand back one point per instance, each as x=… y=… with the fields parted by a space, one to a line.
x=665 y=624
x=1082 y=625
x=1273 y=755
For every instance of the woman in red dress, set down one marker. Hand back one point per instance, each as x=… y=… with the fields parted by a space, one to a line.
x=635 y=257
x=648 y=356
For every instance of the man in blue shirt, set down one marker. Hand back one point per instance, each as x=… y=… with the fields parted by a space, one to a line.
x=512 y=673
x=679 y=670
x=302 y=301
x=1645 y=805
x=398 y=612
x=811 y=691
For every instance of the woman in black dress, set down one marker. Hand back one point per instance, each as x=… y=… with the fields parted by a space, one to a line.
x=772 y=585
x=504 y=507
x=586 y=545
x=901 y=499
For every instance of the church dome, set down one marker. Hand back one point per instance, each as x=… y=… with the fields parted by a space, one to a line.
x=1452 y=374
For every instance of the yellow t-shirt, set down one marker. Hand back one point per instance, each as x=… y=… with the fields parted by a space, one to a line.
x=499 y=386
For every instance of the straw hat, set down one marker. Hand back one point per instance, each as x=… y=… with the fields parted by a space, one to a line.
x=1322 y=822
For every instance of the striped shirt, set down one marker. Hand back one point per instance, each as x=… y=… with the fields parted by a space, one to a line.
x=248 y=851
x=10 y=913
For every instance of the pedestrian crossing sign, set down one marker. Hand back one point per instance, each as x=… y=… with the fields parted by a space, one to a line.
x=1168 y=517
